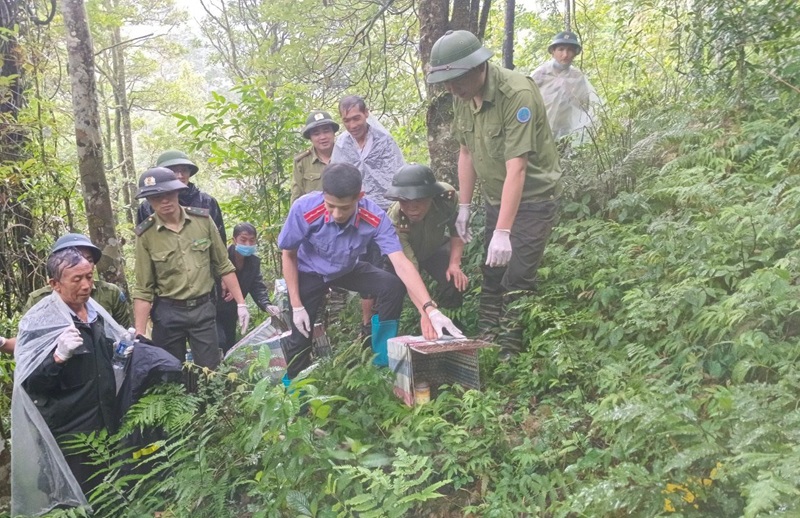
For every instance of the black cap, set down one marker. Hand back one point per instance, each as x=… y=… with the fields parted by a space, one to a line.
x=413 y=182
x=158 y=180
x=316 y=119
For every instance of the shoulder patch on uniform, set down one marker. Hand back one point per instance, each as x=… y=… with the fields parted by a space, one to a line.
x=371 y=218
x=197 y=211
x=302 y=155
x=524 y=114
x=314 y=214
x=144 y=225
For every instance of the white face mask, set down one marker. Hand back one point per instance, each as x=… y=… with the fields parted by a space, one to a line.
x=559 y=66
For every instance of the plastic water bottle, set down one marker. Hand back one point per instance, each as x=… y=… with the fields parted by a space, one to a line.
x=119 y=360
x=189 y=357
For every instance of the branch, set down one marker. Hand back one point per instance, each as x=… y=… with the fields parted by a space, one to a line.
x=146 y=36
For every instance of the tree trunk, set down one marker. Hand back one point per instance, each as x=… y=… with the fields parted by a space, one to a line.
x=125 y=137
x=17 y=255
x=99 y=213
x=434 y=21
x=508 y=40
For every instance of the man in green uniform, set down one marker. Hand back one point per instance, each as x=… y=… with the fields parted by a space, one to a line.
x=424 y=216
x=178 y=162
x=506 y=145
x=178 y=254
x=108 y=295
x=307 y=175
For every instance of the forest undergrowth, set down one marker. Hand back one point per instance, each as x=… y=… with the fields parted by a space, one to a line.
x=660 y=379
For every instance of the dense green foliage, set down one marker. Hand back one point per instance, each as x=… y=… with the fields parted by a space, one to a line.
x=660 y=376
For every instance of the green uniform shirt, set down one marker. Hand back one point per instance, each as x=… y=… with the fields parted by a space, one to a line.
x=179 y=265
x=421 y=240
x=510 y=122
x=108 y=295
x=307 y=174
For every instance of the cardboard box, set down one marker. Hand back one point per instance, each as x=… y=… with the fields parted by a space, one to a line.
x=439 y=362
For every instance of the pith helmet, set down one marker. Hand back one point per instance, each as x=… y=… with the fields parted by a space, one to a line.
x=175 y=157
x=316 y=119
x=68 y=240
x=566 y=38
x=413 y=182
x=158 y=180
x=455 y=54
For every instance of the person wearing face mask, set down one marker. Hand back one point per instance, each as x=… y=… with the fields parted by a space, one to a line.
x=248 y=272
x=568 y=96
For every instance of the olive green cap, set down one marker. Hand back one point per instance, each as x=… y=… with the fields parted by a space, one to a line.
x=413 y=182
x=455 y=54
x=158 y=180
x=175 y=157
x=316 y=119
x=566 y=38
x=76 y=240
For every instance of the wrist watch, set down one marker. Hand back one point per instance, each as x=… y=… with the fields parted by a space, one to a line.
x=429 y=304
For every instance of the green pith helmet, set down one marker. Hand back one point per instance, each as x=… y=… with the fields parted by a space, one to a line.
x=158 y=180
x=413 y=182
x=175 y=157
x=69 y=240
x=316 y=119
x=566 y=38
x=455 y=54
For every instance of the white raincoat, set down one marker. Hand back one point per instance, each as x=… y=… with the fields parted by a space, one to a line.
x=40 y=476
x=569 y=99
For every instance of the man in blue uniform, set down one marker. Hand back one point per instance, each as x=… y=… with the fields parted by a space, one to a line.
x=324 y=234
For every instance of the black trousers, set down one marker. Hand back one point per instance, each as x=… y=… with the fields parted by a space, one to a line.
x=173 y=325
x=226 y=329
x=529 y=235
x=365 y=278
x=447 y=295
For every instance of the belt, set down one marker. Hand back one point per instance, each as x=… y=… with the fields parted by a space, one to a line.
x=188 y=303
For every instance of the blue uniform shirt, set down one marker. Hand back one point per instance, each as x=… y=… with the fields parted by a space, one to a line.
x=325 y=248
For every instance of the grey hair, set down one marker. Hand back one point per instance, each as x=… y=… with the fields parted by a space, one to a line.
x=63 y=259
x=349 y=102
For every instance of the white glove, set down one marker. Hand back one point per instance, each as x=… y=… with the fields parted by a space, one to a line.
x=499 y=248
x=462 y=222
x=129 y=351
x=244 y=317
x=439 y=321
x=301 y=320
x=275 y=311
x=67 y=342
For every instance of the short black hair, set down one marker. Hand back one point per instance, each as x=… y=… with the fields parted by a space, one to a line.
x=341 y=180
x=244 y=228
x=63 y=259
x=349 y=102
